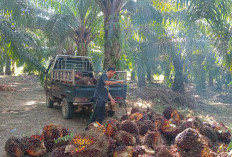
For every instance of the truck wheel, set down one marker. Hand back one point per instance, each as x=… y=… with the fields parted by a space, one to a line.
x=67 y=109
x=49 y=102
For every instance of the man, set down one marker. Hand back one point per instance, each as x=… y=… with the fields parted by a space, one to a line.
x=102 y=94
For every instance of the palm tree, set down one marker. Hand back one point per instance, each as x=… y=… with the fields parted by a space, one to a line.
x=17 y=44
x=78 y=20
x=112 y=46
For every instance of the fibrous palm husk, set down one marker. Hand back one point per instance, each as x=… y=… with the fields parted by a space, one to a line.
x=51 y=133
x=14 y=147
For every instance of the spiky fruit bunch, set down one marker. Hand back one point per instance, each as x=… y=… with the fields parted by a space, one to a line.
x=130 y=127
x=90 y=142
x=196 y=122
x=187 y=139
x=138 y=151
x=153 y=139
x=138 y=116
x=145 y=125
x=163 y=151
x=81 y=142
x=60 y=152
x=134 y=110
x=223 y=133
x=123 y=151
x=124 y=117
x=167 y=112
x=171 y=114
x=158 y=121
x=169 y=130
x=34 y=145
x=124 y=138
x=112 y=127
x=97 y=127
x=150 y=113
x=14 y=147
x=51 y=133
x=209 y=132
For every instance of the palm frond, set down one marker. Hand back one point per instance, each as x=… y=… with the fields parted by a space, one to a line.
x=18 y=44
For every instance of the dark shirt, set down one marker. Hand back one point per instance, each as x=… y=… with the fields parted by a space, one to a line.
x=102 y=89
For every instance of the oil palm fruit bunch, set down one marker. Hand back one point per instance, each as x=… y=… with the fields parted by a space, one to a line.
x=223 y=132
x=60 y=152
x=171 y=114
x=112 y=127
x=153 y=139
x=124 y=138
x=14 y=147
x=138 y=116
x=145 y=126
x=163 y=151
x=130 y=126
x=52 y=133
x=191 y=143
x=169 y=130
x=34 y=145
x=97 y=127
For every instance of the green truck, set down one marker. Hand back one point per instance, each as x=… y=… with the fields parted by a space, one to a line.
x=61 y=85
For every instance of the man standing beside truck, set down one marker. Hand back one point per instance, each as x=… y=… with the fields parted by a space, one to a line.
x=102 y=95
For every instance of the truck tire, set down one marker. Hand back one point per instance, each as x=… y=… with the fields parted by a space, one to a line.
x=49 y=101
x=67 y=109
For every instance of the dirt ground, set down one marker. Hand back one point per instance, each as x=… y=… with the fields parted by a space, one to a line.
x=24 y=113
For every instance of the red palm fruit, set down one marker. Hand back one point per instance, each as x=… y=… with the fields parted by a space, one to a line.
x=112 y=127
x=124 y=138
x=158 y=121
x=187 y=139
x=138 y=116
x=134 y=110
x=169 y=130
x=171 y=113
x=130 y=127
x=51 y=133
x=14 y=147
x=153 y=139
x=209 y=132
x=34 y=145
x=163 y=151
x=145 y=125
x=223 y=133
x=81 y=142
x=124 y=117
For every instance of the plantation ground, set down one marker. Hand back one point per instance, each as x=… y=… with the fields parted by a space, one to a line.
x=24 y=113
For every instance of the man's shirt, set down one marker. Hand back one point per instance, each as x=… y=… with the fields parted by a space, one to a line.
x=102 y=89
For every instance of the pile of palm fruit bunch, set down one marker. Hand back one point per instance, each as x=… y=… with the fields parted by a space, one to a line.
x=4 y=87
x=142 y=133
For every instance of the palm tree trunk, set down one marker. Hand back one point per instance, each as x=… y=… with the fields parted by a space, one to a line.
x=132 y=76
x=8 y=66
x=178 y=85
x=210 y=79
x=141 y=76
x=112 y=42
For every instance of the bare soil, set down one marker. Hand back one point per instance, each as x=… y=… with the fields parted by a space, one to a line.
x=24 y=112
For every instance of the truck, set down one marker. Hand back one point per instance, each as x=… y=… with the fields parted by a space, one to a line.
x=61 y=85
